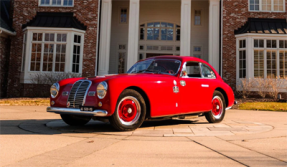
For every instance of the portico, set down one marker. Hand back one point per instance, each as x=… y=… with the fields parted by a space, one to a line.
x=137 y=29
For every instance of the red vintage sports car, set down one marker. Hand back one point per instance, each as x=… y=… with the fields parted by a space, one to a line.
x=157 y=87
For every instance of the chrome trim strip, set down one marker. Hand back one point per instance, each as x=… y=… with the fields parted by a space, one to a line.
x=228 y=108
x=75 y=111
x=87 y=90
x=187 y=113
x=205 y=85
x=76 y=91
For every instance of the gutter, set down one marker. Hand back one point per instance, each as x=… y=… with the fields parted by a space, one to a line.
x=7 y=31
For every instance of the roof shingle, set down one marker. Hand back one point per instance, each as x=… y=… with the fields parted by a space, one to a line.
x=263 y=26
x=55 y=19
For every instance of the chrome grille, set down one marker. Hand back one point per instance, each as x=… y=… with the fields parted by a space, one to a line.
x=78 y=93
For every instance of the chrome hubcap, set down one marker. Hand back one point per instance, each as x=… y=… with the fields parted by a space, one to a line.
x=217 y=107
x=129 y=110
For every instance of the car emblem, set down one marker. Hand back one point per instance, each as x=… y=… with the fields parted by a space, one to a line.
x=182 y=83
x=175 y=89
x=68 y=104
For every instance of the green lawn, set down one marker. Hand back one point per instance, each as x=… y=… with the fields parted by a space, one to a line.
x=264 y=106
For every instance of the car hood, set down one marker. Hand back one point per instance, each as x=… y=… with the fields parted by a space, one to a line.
x=113 y=76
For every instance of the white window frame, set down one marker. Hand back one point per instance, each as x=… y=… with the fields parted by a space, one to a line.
x=272 y=7
x=242 y=49
x=250 y=37
x=200 y=17
x=51 y=5
x=27 y=74
x=160 y=28
x=120 y=15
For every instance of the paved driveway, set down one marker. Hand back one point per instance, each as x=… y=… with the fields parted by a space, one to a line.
x=31 y=137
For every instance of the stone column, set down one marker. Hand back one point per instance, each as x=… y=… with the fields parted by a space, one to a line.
x=214 y=38
x=185 y=27
x=133 y=38
x=105 y=37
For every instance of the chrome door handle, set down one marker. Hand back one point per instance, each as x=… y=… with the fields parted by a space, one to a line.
x=204 y=85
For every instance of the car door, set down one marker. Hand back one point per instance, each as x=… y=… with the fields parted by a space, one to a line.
x=167 y=98
x=209 y=85
x=192 y=90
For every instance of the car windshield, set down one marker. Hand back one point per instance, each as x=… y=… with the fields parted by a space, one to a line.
x=159 y=66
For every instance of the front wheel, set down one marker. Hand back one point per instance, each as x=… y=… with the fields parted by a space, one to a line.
x=75 y=120
x=130 y=111
x=218 y=105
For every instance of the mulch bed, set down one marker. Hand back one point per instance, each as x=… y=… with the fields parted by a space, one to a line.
x=241 y=100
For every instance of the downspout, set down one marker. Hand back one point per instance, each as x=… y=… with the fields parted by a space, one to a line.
x=221 y=37
x=98 y=38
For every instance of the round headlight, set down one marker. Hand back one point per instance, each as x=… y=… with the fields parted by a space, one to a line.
x=102 y=89
x=54 y=90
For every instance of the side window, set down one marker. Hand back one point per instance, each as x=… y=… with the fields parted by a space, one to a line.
x=207 y=71
x=192 y=70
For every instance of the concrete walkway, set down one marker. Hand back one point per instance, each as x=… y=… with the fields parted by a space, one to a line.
x=31 y=137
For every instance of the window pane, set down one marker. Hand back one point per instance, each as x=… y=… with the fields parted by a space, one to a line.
x=242 y=64
x=68 y=2
x=207 y=72
x=49 y=36
x=271 y=64
x=197 y=17
x=142 y=31
x=268 y=43
x=170 y=25
x=61 y=37
x=242 y=44
x=258 y=64
x=56 y=2
x=123 y=15
x=193 y=70
x=163 y=24
x=256 y=44
x=150 y=24
x=35 y=57
x=178 y=34
x=76 y=59
x=157 y=24
x=274 y=44
x=45 y=2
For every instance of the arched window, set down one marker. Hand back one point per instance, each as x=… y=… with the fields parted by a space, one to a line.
x=160 y=31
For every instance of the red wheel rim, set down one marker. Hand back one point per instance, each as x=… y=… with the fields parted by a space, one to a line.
x=129 y=110
x=217 y=107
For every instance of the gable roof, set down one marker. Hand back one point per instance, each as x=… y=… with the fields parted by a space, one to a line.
x=55 y=19
x=5 y=21
x=263 y=26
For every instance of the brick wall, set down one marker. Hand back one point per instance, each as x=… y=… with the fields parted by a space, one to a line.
x=235 y=15
x=86 y=11
x=4 y=64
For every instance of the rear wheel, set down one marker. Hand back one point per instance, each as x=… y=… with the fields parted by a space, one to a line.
x=75 y=120
x=130 y=111
x=218 y=105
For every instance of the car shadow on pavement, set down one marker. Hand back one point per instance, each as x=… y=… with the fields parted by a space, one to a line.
x=57 y=126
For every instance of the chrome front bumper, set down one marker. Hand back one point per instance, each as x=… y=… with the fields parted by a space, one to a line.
x=76 y=111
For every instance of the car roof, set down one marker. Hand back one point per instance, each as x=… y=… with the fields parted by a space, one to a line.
x=181 y=58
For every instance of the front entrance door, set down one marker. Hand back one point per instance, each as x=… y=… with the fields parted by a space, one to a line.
x=148 y=55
